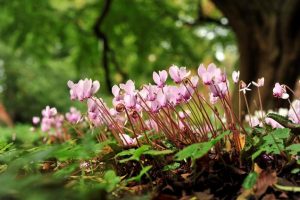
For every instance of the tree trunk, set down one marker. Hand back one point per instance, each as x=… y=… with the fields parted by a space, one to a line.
x=268 y=36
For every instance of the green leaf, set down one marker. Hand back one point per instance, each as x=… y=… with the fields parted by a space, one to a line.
x=4 y=148
x=295 y=171
x=171 y=166
x=111 y=180
x=250 y=180
x=198 y=150
x=158 y=153
x=294 y=149
x=135 y=153
x=141 y=174
x=273 y=142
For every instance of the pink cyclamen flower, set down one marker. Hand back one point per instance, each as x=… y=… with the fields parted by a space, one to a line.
x=127 y=140
x=130 y=101
x=128 y=87
x=73 y=116
x=116 y=92
x=58 y=121
x=84 y=89
x=207 y=75
x=49 y=112
x=149 y=92
x=279 y=91
x=253 y=121
x=153 y=106
x=94 y=112
x=273 y=123
x=212 y=98
x=260 y=82
x=161 y=98
x=172 y=94
x=235 y=76
x=46 y=124
x=244 y=87
x=35 y=120
x=178 y=74
x=160 y=78
x=194 y=81
x=186 y=92
x=219 y=90
x=294 y=112
x=151 y=125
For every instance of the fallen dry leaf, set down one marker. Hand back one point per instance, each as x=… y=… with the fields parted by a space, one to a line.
x=266 y=179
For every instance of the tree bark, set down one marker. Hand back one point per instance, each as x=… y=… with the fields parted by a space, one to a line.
x=102 y=36
x=268 y=37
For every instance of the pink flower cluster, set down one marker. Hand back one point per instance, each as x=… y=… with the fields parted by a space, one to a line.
x=74 y=116
x=146 y=109
x=179 y=111
x=215 y=79
x=52 y=123
x=50 y=119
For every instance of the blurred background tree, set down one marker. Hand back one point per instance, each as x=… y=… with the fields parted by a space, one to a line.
x=268 y=38
x=45 y=43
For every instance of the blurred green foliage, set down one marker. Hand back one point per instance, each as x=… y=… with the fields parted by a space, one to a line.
x=45 y=43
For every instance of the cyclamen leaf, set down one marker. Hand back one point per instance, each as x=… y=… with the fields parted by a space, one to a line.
x=273 y=142
x=295 y=171
x=158 y=153
x=171 y=166
x=294 y=149
x=198 y=150
x=141 y=174
x=135 y=153
x=111 y=180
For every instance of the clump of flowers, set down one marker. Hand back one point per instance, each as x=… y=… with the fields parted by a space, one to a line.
x=179 y=112
x=55 y=125
x=74 y=116
x=184 y=112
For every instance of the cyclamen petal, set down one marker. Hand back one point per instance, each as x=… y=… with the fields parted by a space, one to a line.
x=161 y=98
x=160 y=78
x=201 y=70
x=260 y=82
x=207 y=75
x=213 y=99
x=127 y=140
x=280 y=92
x=178 y=74
x=49 y=112
x=152 y=125
x=74 y=116
x=115 y=90
x=128 y=87
x=294 y=112
x=273 y=123
x=194 y=81
x=35 y=120
x=235 y=76
x=95 y=87
x=130 y=101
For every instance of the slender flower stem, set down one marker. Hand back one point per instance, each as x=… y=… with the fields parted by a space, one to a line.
x=132 y=127
x=260 y=102
x=294 y=109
